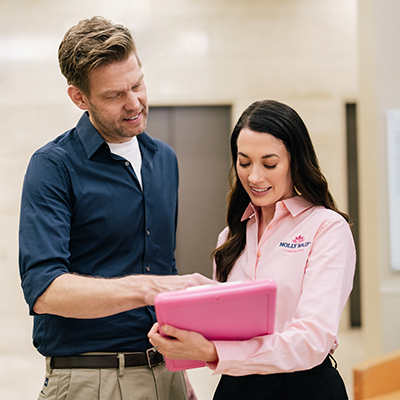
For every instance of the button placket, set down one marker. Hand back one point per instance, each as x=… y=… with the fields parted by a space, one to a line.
x=259 y=249
x=252 y=260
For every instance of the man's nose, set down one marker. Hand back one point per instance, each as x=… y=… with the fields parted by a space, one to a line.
x=132 y=101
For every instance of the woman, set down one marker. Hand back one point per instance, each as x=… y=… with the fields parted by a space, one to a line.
x=282 y=224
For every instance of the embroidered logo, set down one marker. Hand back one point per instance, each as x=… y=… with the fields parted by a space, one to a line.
x=297 y=244
x=298 y=239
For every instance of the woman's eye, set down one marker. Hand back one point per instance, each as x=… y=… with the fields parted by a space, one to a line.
x=270 y=166
x=242 y=165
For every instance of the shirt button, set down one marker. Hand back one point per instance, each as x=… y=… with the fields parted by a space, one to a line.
x=226 y=371
x=127 y=163
x=259 y=254
x=147 y=268
x=148 y=232
x=269 y=227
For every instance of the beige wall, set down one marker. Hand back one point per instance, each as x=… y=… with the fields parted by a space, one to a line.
x=302 y=52
x=211 y=52
x=379 y=75
x=194 y=52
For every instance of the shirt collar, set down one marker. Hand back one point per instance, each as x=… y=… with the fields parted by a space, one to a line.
x=92 y=140
x=147 y=141
x=295 y=205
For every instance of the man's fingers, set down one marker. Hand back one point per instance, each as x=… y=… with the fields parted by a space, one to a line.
x=153 y=330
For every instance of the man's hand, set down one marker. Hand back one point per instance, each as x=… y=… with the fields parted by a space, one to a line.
x=159 y=284
x=75 y=296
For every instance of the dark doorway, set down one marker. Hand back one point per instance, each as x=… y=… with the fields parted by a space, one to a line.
x=352 y=187
x=200 y=138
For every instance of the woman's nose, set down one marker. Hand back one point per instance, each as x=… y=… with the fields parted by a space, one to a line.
x=255 y=175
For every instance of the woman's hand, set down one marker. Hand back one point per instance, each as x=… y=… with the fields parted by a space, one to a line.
x=181 y=344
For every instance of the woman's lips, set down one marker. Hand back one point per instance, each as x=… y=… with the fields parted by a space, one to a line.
x=260 y=191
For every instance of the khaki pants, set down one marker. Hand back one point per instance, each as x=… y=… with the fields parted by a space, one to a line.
x=134 y=383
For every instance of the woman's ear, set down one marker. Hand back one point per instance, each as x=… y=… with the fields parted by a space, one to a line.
x=77 y=97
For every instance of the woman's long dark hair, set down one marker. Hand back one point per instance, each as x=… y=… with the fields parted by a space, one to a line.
x=282 y=122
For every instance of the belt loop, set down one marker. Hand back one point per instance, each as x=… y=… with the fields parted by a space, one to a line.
x=48 y=366
x=333 y=359
x=121 y=364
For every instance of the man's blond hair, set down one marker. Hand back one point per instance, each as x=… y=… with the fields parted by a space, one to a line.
x=92 y=43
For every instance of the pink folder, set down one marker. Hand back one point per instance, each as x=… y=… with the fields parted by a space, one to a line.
x=224 y=311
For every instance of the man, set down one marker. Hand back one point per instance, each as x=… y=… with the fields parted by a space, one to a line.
x=98 y=230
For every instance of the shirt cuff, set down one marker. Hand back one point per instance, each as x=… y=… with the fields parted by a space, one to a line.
x=230 y=358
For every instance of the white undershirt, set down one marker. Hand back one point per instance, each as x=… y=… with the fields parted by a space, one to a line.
x=131 y=152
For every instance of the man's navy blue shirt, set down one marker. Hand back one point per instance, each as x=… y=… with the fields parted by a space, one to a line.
x=83 y=211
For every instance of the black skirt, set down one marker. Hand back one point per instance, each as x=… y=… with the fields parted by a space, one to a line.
x=322 y=382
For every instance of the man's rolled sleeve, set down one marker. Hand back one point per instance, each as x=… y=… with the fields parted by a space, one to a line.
x=44 y=226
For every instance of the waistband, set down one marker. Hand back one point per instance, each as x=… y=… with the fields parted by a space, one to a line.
x=327 y=363
x=150 y=358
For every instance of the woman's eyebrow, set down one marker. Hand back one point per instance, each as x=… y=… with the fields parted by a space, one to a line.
x=270 y=155
x=266 y=156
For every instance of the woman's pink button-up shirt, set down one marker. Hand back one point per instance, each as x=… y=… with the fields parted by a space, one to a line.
x=309 y=252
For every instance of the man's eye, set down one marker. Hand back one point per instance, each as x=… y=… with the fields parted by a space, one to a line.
x=113 y=97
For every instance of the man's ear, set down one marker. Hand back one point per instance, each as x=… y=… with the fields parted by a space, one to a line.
x=77 y=97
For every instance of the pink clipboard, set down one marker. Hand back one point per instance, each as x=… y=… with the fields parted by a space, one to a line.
x=224 y=311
